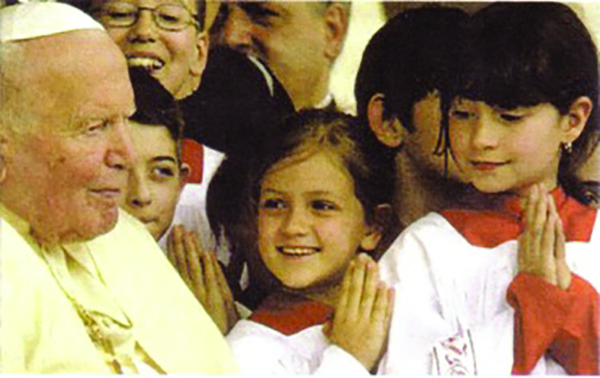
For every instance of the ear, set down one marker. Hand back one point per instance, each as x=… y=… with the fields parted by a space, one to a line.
x=184 y=174
x=199 y=63
x=336 y=26
x=384 y=222
x=576 y=119
x=387 y=129
x=371 y=238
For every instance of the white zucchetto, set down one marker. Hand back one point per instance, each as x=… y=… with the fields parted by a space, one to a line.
x=41 y=19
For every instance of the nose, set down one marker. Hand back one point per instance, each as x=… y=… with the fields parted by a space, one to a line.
x=296 y=222
x=144 y=30
x=121 y=152
x=485 y=132
x=237 y=31
x=138 y=192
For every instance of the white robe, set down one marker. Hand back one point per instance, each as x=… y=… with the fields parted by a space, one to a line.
x=446 y=287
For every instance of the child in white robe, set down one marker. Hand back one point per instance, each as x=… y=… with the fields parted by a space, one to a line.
x=512 y=289
x=313 y=204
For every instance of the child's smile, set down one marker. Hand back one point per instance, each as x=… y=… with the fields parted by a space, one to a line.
x=298 y=251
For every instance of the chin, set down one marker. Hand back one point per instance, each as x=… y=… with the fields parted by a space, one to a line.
x=490 y=187
x=102 y=224
x=75 y=227
x=298 y=284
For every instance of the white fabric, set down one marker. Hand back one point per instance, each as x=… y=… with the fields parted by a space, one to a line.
x=41 y=332
x=260 y=350
x=446 y=286
x=34 y=20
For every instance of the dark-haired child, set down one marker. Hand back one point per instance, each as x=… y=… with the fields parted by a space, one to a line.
x=157 y=177
x=513 y=289
x=402 y=93
x=158 y=174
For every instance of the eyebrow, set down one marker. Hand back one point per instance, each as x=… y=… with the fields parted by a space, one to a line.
x=312 y=193
x=270 y=191
x=165 y=158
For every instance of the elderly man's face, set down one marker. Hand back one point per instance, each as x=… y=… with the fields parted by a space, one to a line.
x=175 y=57
x=292 y=37
x=68 y=161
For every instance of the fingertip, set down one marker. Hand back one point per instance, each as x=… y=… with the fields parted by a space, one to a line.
x=178 y=230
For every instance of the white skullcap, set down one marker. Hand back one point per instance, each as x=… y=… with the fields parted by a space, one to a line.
x=41 y=19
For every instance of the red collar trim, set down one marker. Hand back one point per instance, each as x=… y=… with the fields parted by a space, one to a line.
x=490 y=228
x=291 y=317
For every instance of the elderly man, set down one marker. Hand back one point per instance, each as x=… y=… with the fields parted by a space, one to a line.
x=298 y=40
x=79 y=288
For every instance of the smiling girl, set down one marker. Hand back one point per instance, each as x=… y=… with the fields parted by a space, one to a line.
x=513 y=289
x=314 y=206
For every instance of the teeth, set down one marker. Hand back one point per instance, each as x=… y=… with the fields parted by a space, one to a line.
x=298 y=251
x=150 y=63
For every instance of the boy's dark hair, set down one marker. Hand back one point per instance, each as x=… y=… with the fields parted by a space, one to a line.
x=525 y=54
x=234 y=191
x=414 y=54
x=155 y=105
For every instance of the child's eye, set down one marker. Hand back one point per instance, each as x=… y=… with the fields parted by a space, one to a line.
x=461 y=114
x=322 y=205
x=163 y=172
x=508 y=117
x=272 y=203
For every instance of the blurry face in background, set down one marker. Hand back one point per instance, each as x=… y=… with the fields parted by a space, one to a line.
x=176 y=58
x=291 y=37
x=155 y=178
x=67 y=163
x=421 y=143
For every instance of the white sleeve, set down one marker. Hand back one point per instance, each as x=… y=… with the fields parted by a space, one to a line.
x=417 y=320
x=262 y=350
x=337 y=361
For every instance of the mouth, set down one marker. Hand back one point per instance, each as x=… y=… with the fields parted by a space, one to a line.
x=147 y=220
x=147 y=61
x=298 y=251
x=487 y=165
x=108 y=196
x=108 y=193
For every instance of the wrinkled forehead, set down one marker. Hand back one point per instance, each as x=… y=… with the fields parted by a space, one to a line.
x=59 y=56
x=74 y=75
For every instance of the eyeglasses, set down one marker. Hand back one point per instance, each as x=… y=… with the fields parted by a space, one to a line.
x=170 y=17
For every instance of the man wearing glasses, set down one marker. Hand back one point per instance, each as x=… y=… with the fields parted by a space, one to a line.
x=166 y=37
